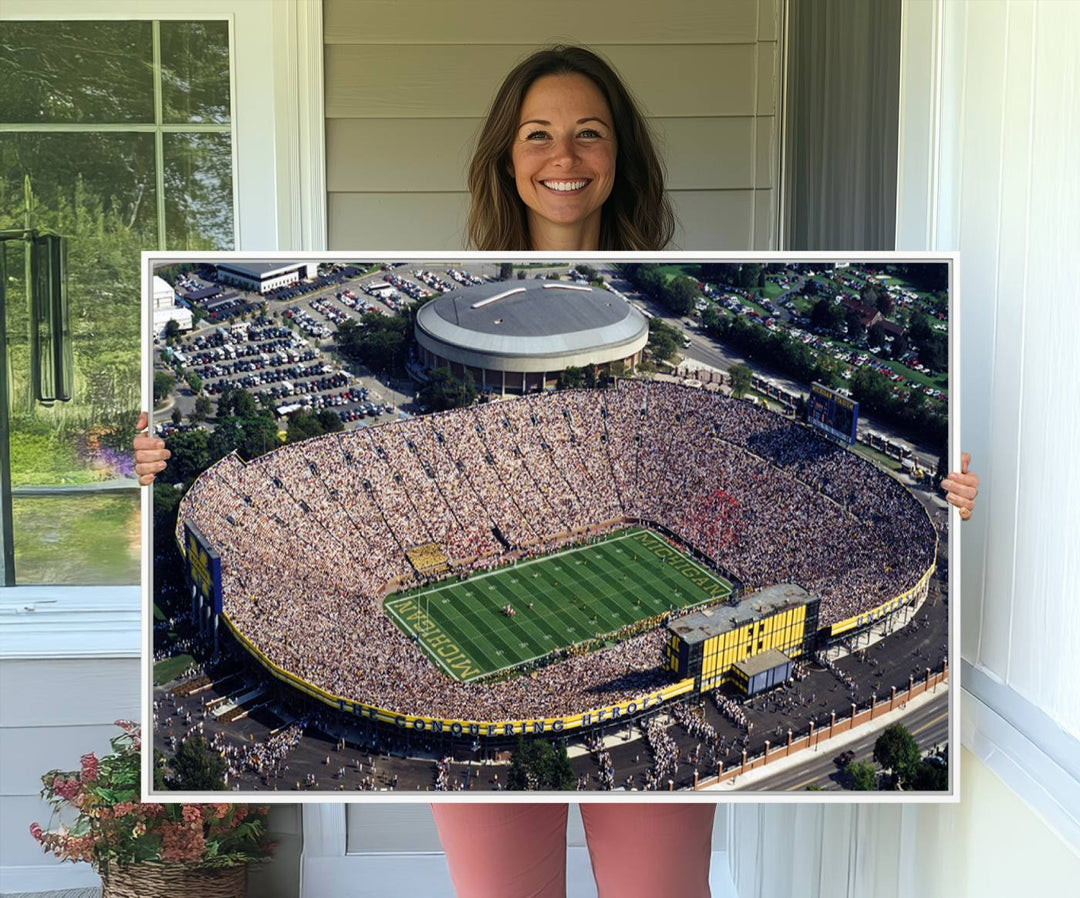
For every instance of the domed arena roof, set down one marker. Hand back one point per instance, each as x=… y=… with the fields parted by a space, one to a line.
x=531 y=319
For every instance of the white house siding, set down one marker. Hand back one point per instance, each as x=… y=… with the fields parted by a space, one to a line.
x=404 y=102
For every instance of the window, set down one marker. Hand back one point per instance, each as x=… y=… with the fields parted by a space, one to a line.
x=116 y=135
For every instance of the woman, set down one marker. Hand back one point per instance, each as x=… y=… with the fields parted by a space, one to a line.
x=565 y=162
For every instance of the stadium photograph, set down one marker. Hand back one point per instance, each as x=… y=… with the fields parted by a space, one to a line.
x=437 y=525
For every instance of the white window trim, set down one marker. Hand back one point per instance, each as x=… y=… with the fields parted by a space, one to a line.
x=1009 y=733
x=41 y=622
x=279 y=143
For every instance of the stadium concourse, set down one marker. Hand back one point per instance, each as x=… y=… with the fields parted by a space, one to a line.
x=313 y=535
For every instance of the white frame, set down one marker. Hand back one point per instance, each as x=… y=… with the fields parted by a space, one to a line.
x=1004 y=729
x=333 y=821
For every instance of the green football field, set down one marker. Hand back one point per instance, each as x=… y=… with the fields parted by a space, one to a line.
x=577 y=594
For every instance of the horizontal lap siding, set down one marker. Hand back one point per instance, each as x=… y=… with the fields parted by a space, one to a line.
x=407 y=85
x=53 y=711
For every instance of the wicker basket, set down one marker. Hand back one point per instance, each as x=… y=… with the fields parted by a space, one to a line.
x=174 y=881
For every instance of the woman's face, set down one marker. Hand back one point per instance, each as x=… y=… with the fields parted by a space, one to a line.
x=563 y=161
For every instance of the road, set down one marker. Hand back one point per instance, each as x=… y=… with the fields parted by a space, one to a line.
x=928 y=723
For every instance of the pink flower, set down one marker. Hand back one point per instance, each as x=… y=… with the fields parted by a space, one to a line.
x=37 y=832
x=65 y=788
x=192 y=813
x=89 y=767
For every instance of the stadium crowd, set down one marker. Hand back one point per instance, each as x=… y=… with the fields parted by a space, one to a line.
x=313 y=535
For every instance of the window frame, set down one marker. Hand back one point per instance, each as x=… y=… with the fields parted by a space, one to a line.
x=279 y=204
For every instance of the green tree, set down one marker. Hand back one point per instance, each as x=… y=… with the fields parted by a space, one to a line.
x=876 y=335
x=664 y=340
x=251 y=435
x=177 y=416
x=163 y=385
x=537 y=765
x=203 y=407
x=862 y=775
x=741 y=378
x=680 y=295
x=506 y=269
x=444 y=390
x=197 y=767
x=855 y=328
x=521 y=274
x=190 y=456
x=194 y=382
x=897 y=751
x=171 y=331
x=931 y=776
x=571 y=377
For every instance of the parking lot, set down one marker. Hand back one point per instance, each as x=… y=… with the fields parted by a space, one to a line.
x=285 y=356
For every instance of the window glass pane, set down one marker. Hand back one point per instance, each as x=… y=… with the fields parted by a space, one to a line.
x=195 y=71
x=98 y=191
x=198 y=191
x=55 y=72
x=79 y=540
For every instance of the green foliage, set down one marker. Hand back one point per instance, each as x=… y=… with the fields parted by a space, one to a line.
x=304 y=424
x=171 y=331
x=445 y=391
x=741 y=379
x=378 y=341
x=193 y=381
x=202 y=409
x=538 y=765
x=931 y=777
x=896 y=750
x=571 y=377
x=197 y=768
x=190 y=456
x=876 y=335
x=855 y=328
x=163 y=385
x=108 y=825
x=664 y=340
x=506 y=269
x=862 y=775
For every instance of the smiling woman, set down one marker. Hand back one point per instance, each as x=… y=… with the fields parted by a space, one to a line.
x=565 y=160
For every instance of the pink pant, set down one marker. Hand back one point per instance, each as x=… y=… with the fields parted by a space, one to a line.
x=519 y=850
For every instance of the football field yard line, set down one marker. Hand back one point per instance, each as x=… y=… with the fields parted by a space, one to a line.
x=578 y=593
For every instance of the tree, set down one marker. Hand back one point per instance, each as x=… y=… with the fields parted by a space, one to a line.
x=194 y=382
x=163 y=385
x=862 y=775
x=177 y=416
x=885 y=304
x=741 y=378
x=876 y=335
x=571 y=377
x=538 y=765
x=931 y=776
x=171 y=331
x=197 y=767
x=897 y=751
x=680 y=295
x=190 y=456
x=506 y=269
x=664 y=340
x=855 y=328
x=521 y=274
x=445 y=391
x=203 y=407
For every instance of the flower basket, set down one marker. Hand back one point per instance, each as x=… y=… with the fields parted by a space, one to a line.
x=174 y=881
x=149 y=850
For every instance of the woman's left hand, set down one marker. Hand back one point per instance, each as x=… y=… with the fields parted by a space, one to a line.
x=962 y=488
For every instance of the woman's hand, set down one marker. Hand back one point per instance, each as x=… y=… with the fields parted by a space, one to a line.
x=150 y=452
x=962 y=488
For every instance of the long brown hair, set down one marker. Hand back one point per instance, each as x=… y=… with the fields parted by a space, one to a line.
x=637 y=214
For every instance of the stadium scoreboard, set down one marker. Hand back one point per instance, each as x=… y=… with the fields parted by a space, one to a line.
x=832 y=413
x=203 y=566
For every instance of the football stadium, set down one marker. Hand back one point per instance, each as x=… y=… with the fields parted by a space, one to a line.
x=550 y=562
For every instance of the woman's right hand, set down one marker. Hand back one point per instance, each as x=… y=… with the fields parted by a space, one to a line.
x=150 y=452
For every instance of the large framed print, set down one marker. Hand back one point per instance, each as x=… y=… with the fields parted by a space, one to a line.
x=440 y=527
